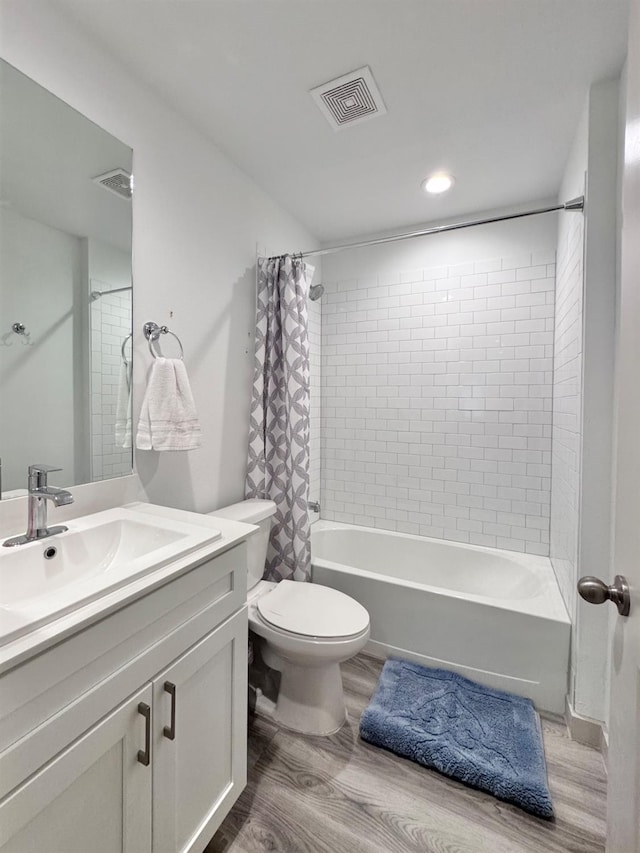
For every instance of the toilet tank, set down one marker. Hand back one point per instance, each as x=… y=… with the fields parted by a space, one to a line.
x=258 y=512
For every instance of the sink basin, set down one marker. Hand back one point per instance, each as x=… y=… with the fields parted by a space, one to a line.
x=45 y=579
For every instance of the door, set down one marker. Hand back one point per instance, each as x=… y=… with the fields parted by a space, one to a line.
x=623 y=812
x=200 y=739
x=96 y=795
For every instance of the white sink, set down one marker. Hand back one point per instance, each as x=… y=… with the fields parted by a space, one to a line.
x=43 y=580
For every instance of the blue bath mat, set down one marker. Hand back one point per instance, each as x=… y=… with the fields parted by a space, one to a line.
x=484 y=737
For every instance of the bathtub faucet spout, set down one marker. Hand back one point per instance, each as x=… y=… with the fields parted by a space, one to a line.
x=314 y=506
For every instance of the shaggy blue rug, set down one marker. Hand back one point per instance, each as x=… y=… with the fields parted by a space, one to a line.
x=484 y=737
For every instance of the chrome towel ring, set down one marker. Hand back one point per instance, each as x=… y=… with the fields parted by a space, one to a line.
x=124 y=343
x=152 y=332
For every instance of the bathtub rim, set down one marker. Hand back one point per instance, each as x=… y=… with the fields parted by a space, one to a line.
x=549 y=604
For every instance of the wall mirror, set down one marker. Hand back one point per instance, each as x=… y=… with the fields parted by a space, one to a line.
x=65 y=290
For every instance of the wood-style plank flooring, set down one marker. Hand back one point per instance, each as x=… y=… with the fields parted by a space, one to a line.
x=341 y=795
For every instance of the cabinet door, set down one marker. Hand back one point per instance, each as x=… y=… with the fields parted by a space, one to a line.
x=200 y=739
x=94 y=796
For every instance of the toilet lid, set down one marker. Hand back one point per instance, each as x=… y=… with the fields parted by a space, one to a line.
x=312 y=610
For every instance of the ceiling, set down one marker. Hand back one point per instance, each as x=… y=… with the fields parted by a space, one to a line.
x=490 y=91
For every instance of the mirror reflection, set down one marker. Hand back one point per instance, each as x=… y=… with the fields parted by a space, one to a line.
x=65 y=291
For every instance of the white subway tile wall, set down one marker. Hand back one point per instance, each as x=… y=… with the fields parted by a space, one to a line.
x=436 y=401
x=110 y=324
x=567 y=407
x=315 y=375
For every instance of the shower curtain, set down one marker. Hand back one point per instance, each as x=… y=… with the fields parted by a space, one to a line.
x=278 y=463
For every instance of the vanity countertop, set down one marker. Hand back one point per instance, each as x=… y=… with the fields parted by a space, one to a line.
x=23 y=647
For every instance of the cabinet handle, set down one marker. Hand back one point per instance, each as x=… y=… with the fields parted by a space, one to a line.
x=144 y=755
x=170 y=730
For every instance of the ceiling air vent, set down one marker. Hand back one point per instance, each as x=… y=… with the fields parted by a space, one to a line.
x=351 y=99
x=117 y=181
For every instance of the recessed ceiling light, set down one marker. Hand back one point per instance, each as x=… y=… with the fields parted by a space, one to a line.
x=440 y=182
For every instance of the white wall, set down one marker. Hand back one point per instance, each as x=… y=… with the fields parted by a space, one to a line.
x=567 y=378
x=197 y=221
x=614 y=617
x=437 y=385
x=41 y=286
x=583 y=391
x=597 y=403
x=108 y=265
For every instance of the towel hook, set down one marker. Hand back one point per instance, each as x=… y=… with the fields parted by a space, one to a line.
x=152 y=332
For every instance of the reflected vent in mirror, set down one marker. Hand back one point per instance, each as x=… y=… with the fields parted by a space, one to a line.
x=350 y=99
x=117 y=181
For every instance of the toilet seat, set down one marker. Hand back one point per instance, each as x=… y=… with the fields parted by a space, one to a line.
x=311 y=610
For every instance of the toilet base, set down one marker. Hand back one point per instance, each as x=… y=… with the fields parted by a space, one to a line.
x=301 y=698
x=310 y=700
x=264 y=707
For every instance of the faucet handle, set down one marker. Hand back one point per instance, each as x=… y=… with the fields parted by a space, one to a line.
x=40 y=468
x=38 y=474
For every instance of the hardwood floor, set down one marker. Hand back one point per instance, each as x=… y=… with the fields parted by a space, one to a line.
x=341 y=795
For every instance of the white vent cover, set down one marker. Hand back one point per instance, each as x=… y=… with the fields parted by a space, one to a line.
x=351 y=99
x=117 y=181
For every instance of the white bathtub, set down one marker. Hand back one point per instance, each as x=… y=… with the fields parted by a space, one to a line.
x=494 y=616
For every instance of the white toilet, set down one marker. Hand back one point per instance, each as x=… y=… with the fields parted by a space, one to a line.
x=306 y=631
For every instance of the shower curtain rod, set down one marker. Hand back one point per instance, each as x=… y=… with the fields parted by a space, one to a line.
x=96 y=294
x=573 y=204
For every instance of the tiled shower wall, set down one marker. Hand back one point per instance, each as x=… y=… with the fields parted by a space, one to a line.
x=436 y=401
x=315 y=373
x=110 y=325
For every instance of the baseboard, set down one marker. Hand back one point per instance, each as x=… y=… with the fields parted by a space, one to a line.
x=375 y=650
x=604 y=748
x=585 y=730
x=552 y=717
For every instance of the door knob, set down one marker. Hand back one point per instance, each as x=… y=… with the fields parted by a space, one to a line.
x=596 y=591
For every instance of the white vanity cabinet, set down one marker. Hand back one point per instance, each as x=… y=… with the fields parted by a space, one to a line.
x=94 y=796
x=130 y=735
x=199 y=749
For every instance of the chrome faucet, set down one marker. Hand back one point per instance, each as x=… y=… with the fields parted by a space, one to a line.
x=39 y=494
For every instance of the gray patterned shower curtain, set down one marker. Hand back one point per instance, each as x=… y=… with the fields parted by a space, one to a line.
x=278 y=463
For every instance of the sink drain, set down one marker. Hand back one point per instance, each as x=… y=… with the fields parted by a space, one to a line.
x=50 y=552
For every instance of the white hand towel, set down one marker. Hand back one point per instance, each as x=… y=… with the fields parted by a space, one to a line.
x=168 y=418
x=123 y=408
